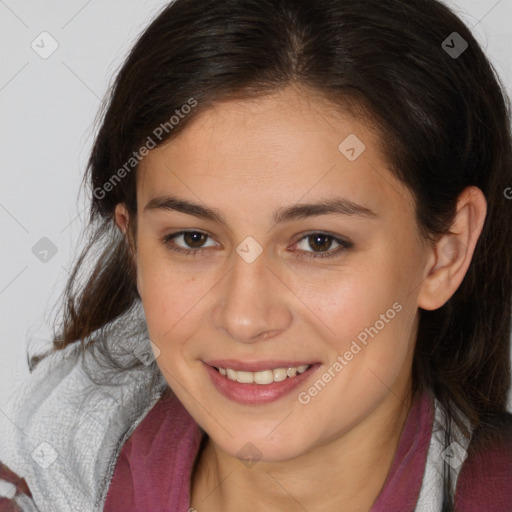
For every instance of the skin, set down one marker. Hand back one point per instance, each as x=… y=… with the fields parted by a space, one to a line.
x=247 y=158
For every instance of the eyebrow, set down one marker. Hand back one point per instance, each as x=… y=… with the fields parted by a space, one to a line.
x=335 y=205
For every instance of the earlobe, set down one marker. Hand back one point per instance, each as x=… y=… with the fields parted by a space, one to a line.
x=453 y=252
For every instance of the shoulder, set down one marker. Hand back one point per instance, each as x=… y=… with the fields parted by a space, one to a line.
x=14 y=492
x=167 y=442
x=70 y=416
x=30 y=395
x=485 y=478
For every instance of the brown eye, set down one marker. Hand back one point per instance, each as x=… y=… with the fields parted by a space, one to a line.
x=190 y=242
x=194 y=239
x=320 y=243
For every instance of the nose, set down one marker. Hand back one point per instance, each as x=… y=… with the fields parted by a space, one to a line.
x=254 y=304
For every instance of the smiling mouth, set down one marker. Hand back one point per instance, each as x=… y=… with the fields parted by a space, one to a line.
x=262 y=377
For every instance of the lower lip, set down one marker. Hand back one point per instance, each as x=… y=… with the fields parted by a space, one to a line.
x=257 y=393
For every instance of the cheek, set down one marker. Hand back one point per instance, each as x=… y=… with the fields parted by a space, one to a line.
x=166 y=293
x=351 y=299
x=369 y=312
x=341 y=304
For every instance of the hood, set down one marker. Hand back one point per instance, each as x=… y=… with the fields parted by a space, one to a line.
x=70 y=418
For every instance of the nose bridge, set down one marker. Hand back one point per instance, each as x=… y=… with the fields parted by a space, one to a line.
x=252 y=302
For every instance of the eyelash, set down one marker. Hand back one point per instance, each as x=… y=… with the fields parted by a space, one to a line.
x=344 y=245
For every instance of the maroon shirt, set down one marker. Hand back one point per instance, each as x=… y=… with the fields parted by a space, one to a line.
x=154 y=468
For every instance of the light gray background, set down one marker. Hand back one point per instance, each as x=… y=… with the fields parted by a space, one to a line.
x=47 y=110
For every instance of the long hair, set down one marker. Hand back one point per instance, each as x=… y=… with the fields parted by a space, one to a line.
x=444 y=124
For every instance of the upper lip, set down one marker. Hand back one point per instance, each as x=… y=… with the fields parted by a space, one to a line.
x=256 y=366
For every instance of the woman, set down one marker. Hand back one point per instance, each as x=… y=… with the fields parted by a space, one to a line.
x=303 y=297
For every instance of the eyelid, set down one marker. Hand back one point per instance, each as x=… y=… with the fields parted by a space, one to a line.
x=337 y=238
x=344 y=244
x=172 y=236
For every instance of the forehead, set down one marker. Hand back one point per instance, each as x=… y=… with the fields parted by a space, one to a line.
x=281 y=148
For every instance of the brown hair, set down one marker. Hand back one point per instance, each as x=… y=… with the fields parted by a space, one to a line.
x=444 y=120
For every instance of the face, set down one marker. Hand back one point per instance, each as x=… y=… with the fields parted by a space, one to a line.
x=253 y=279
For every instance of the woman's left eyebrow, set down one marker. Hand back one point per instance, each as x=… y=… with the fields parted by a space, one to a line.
x=337 y=205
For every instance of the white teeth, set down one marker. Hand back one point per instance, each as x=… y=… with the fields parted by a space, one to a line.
x=264 y=376
x=279 y=374
x=291 y=372
x=245 y=377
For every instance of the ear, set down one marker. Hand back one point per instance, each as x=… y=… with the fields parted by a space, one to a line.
x=453 y=252
x=121 y=217
x=122 y=220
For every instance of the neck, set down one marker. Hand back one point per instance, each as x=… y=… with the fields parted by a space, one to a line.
x=346 y=474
